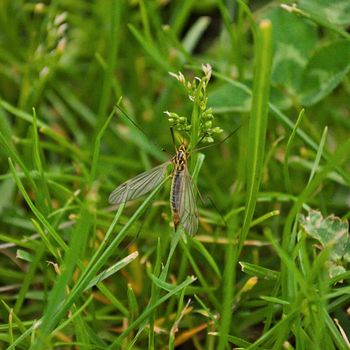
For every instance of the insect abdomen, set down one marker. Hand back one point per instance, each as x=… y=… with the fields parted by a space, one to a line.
x=175 y=194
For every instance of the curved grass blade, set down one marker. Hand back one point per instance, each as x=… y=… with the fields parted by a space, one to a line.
x=112 y=269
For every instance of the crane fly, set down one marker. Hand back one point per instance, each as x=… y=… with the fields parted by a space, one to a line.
x=182 y=196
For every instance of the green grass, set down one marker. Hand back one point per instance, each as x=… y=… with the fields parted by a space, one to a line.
x=268 y=268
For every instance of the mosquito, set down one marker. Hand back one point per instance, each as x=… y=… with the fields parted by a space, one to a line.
x=182 y=196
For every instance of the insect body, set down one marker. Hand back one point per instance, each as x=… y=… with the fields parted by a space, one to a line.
x=182 y=198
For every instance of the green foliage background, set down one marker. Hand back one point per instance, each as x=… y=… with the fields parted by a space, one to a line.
x=68 y=274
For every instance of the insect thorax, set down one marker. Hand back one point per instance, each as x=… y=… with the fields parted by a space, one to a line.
x=180 y=158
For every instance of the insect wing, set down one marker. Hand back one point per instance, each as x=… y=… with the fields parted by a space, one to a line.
x=139 y=185
x=188 y=206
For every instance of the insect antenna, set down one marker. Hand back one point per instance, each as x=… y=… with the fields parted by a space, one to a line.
x=216 y=143
x=173 y=137
x=211 y=203
x=130 y=120
x=140 y=228
x=217 y=210
x=140 y=129
x=200 y=140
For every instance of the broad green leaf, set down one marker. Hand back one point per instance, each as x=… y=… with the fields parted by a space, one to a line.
x=290 y=52
x=335 y=269
x=279 y=99
x=331 y=230
x=346 y=256
x=229 y=98
x=325 y=70
x=334 y=11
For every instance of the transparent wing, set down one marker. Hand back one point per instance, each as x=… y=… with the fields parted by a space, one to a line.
x=188 y=210
x=139 y=185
